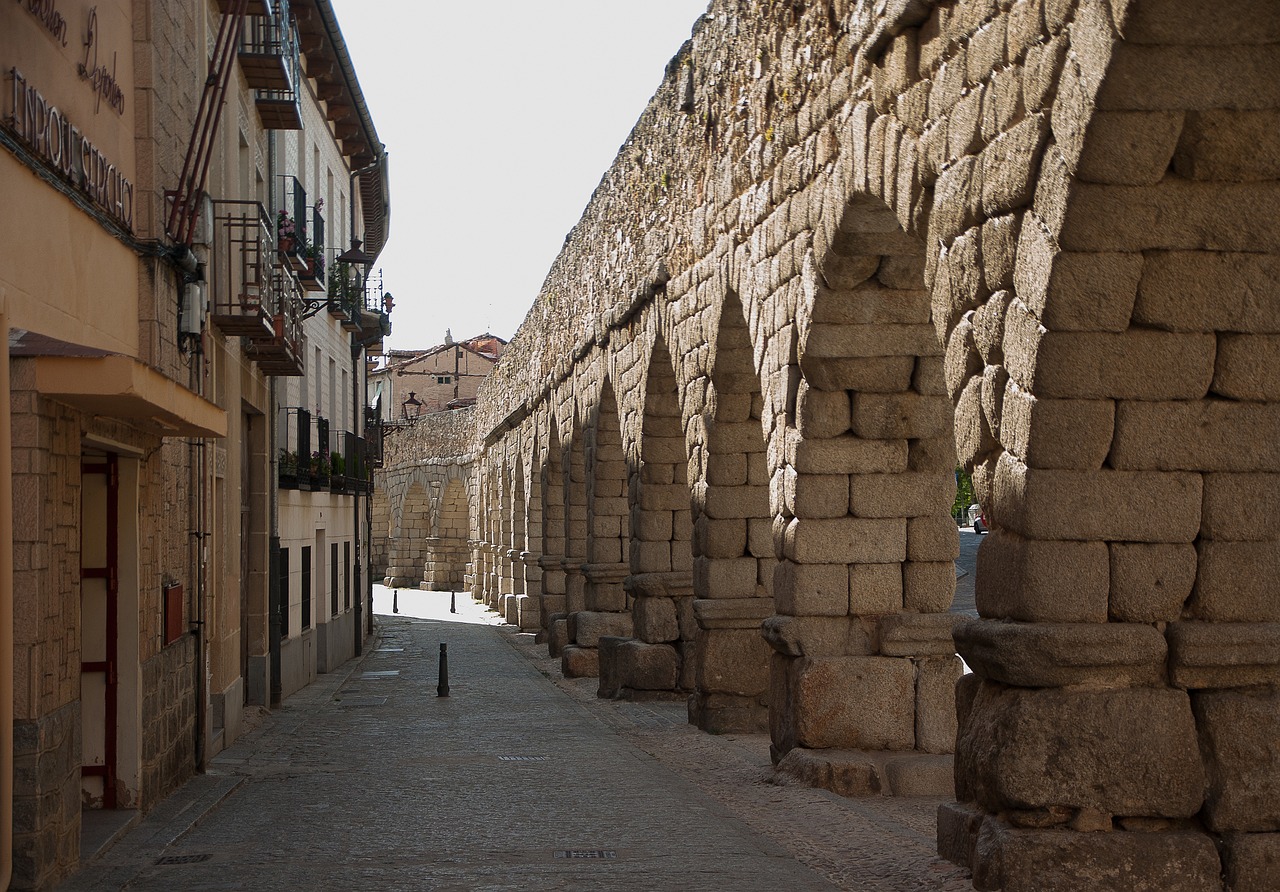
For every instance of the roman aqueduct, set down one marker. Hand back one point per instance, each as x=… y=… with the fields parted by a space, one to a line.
x=847 y=245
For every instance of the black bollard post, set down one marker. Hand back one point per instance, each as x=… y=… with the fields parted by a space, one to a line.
x=395 y=600
x=442 y=689
x=453 y=602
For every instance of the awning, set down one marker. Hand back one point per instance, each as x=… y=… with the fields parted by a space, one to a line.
x=116 y=386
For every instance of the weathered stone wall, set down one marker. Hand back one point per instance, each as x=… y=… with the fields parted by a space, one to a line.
x=420 y=503
x=870 y=240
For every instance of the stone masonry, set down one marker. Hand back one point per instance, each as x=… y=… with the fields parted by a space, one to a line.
x=422 y=494
x=848 y=245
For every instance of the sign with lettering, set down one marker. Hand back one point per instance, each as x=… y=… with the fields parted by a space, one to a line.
x=61 y=146
x=46 y=12
x=95 y=71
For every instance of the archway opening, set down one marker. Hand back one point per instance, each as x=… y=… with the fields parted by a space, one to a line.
x=863 y=657
x=733 y=542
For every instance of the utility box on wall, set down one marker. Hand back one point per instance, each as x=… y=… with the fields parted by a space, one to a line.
x=172 y=613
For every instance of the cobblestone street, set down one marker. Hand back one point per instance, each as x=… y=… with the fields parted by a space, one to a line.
x=519 y=780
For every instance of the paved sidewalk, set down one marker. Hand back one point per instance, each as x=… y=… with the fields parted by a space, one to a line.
x=520 y=780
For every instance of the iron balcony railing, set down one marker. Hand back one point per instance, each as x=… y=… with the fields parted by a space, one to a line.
x=269 y=58
x=242 y=298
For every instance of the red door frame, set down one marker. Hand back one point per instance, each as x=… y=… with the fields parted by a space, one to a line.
x=108 y=466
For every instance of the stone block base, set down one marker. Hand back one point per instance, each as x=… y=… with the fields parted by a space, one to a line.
x=586 y=627
x=557 y=634
x=857 y=773
x=1018 y=860
x=579 y=662
x=631 y=669
x=526 y=613
x=728 y=714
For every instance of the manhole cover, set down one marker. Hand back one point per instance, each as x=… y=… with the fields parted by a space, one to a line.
x=524 y=758
x=588 y=854
x=183 y=859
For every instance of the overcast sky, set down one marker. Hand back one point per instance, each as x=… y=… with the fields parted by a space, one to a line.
x=500 y=119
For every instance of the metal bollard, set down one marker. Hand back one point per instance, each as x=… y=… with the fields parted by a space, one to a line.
x=395 y=600
x=442 y=689
x=453 y=602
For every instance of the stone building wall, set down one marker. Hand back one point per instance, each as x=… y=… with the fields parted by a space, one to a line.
x=1029 y=236
x=157 y=696
x=46 y=584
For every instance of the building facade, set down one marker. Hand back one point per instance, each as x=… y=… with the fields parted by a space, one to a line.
x=155 y=312
x=418 y=382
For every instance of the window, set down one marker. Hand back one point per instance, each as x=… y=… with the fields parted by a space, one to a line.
x=346 y=575
x=444 y=379
x=333 y=579
x=284 y=592
x=306 y=586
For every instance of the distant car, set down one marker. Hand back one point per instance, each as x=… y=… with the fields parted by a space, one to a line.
x=978 y=519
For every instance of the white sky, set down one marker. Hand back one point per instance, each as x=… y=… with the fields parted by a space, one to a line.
x=500 y=119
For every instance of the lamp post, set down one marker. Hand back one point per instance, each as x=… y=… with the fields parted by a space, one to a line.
x=411 y=407
x=357 y=258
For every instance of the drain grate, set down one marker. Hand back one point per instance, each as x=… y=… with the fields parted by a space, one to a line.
x=588 y=854
x=356 y=702
x=183 y=859
x=524 y=758
x=381 y=673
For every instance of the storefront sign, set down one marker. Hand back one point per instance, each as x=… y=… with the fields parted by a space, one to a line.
x=63 y=148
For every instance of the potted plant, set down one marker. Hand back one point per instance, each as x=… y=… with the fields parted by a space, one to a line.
x=337 y=472
x=319 y=466
x=312 y=275
x=288 y=464
x=286 y=234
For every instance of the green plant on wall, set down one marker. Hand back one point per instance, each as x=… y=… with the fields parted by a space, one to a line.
x=964 y=495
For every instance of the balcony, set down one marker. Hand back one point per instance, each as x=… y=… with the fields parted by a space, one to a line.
x=349 y=470
x=269 y=59
x=312 y=274
x=281 y=352
x=345 y=296
x=373 y=441
x=242 y=299
x=293 y=456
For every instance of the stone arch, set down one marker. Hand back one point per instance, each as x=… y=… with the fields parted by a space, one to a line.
x=552 y=546
x=411 y=520
x=606 y=604
x=575 y=536
x=515 y=543
x=1124 y=382
x=380 y=537
x=482 y=550
x=733 y=542
x=529 y=604
x=863 y=499
x=491 y=536
x=447 y=549
x=660 y=580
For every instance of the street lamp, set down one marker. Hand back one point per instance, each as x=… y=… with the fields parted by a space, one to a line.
x=413 y=402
